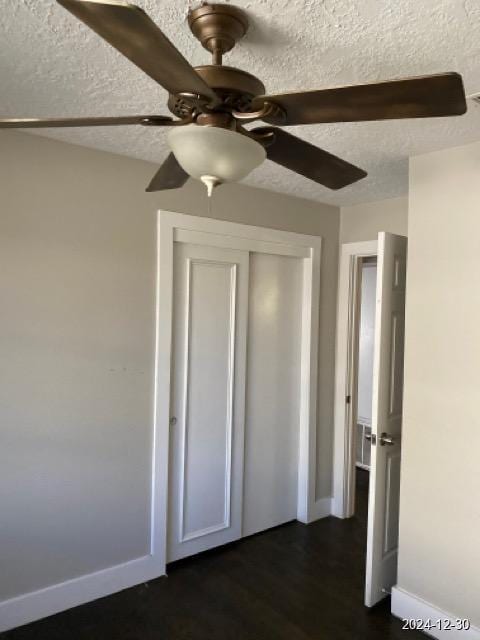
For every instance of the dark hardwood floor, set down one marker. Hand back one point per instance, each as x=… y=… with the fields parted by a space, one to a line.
x=294 y=582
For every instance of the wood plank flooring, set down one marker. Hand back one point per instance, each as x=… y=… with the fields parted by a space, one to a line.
x=294 y=582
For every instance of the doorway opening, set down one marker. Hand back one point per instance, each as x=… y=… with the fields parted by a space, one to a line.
x=362 y=400
x=368 y=401
x=354 y=384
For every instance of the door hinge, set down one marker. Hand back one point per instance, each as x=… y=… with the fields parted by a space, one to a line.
x=348 y=399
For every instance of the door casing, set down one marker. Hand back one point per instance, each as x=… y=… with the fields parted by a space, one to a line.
x=176 y=227
x=346 y=370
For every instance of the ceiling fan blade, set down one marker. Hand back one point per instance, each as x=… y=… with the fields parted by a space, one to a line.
x=421 y=97
x=309 y=161
x=169 y=176
x=41 y=123
x=130 y=30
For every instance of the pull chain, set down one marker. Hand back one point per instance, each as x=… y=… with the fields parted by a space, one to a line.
x=209 y=206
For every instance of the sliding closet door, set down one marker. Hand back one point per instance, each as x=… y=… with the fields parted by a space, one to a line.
x=273 y=391
x=208 y=398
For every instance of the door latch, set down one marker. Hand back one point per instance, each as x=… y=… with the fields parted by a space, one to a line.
x=385 y=438
x=371 y=437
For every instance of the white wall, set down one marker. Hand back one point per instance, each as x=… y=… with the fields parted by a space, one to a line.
x=77 y=254
x=363 y=221
x=366 y=343
x=440 y=508
x=77 y=269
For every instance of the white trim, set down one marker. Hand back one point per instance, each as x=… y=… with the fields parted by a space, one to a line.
x=406 y=605
x=185 y=228
x=308 y=391
x=182 y=221
x=242 y=244
x=345 y=375
x=321 y=508
x=164 y=311
x=71 y=593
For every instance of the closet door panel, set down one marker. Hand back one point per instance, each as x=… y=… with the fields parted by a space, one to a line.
x=273 y=391
x=206 y=479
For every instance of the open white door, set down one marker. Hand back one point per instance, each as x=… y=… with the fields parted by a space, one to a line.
x=382 y=541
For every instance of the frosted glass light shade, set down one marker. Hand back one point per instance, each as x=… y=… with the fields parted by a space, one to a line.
x=212 y=152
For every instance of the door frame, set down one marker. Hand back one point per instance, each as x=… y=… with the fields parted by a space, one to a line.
x=178 y=227
x=346 y=373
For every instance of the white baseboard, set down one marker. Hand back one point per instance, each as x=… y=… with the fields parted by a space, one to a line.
x=337 y=508
x=405 y=605
x=321 y=509
x=65 y=595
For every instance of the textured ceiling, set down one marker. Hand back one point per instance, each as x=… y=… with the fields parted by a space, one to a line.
x=52 y=65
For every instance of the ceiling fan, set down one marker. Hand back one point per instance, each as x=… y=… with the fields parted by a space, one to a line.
x=213 y=103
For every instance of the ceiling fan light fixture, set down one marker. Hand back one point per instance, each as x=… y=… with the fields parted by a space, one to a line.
x=215 y=155
x=219 y=99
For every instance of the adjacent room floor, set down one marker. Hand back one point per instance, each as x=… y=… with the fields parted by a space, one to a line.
x=294 y=582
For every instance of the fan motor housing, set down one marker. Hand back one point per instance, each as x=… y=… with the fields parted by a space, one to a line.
x=218 y=26
x=236 y=88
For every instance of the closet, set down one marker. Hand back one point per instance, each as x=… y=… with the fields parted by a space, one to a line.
x=235 y=386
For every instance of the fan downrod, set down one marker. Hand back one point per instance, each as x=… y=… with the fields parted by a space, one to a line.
x=218 y=27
